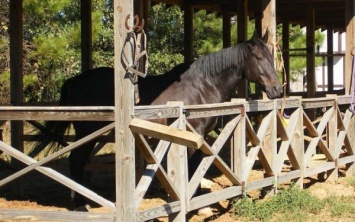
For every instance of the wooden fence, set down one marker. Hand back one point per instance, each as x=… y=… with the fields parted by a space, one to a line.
x=323 y=125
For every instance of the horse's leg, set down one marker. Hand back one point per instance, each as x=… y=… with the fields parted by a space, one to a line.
x=79 y=157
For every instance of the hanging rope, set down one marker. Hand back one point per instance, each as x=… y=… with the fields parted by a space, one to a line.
x=282 y=68
x=353 y=83
x=137 y=38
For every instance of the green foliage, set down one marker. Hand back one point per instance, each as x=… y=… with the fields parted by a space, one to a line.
x=166 y=38
x=53 y=29
x=293 y=204
x=297 y=37
x=4 y=87
x=52 y=42
x=208 y=32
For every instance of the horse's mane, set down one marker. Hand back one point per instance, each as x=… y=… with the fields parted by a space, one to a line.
x=212 y=64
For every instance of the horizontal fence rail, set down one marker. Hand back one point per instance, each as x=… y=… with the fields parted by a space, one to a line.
x=272 y=134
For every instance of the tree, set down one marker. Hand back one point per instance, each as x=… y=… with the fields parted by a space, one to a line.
x=52 y=42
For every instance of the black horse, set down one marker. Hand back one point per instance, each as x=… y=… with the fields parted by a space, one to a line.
x=210 y=79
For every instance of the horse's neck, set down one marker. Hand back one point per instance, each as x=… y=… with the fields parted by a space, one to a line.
x=226 y=83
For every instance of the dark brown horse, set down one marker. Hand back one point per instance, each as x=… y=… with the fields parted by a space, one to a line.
x=210 y=79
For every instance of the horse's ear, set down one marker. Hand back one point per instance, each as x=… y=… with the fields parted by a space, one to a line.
x=266 y=36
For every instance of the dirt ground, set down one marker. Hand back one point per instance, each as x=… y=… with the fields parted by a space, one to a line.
x=41 y=193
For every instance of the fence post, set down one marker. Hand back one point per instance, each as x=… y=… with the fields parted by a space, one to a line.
x=332 y=131
x=351 y=134
x=238 y=146
x=297 y=142
x=124 y=110
x=177 y=169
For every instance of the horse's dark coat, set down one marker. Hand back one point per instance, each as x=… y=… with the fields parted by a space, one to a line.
x=210 y=79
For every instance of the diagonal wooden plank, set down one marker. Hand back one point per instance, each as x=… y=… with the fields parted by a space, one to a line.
x=324 y=121
x=149 y=173
x=310 y=150
x=285 y=145
x=145 y=149
x=250 y=160
x=51 y=157
x=264 y=161
x=225 y=134
x=251 y=133
x=341 y=125
x=213 y=151
x=58 y=177
x=281 y=129
x=264 y=126
x=225 y=169
x=346 y=121
x=324 y=147
x=309 y=125
x=167 y=133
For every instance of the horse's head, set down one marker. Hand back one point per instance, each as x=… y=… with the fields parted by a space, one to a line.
x=259 y=67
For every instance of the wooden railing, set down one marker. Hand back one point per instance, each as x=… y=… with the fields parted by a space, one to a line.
x=323 y=126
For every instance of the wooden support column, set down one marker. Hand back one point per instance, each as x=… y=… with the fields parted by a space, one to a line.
x=16 y=68
x=311 y=78
x=268 y=24
x=86 y=35
x=350 y=42
x=178 y=169
x=188 y=37
x=310 y=43
x=124 y=110
x=226 y=27
x=350 y=47
x=286 y=54
x=242 y=35
x=330 y=60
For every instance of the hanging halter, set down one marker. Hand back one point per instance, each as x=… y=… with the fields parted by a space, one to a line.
x=139 y=50
x=351 y=108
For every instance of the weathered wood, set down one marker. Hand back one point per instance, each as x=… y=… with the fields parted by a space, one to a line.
x=167 y=133
x=242 y=35
x=124 y=110
x=16 y=34
x=178 y=169
x=208 y=110
x=291 y=137
x=350 y=43
x=57 y=176
x=52 y=156
x=156 y=112
x=37 y=215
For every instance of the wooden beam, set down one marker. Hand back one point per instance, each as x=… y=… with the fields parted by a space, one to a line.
x=330 y=60
x=124 y=110
x=350 y=43
x=242 y=35
x=310 y=29
x=268 y=24
x=16 y=79
x=166 y=133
